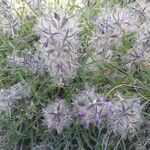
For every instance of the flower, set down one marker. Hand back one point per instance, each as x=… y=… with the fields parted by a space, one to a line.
x=125 y=117
x=28 y=60
x=59 y=45
x=90 y=108
x=141 y=49
x=37 y=5
x=57 y=115
x=9 y=97
x=142 y=10
x=110 y=26
x=9 y=21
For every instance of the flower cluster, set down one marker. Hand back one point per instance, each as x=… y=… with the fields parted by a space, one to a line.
x=119 y=115
x=9 y=97
x=90 y=107
x=141 y=48
x=59 y=55
x=28 y=60
x=142 y=8
x=59 y=45
x=9 y=21
x=57 y=115
x=140 y=54
x=38 y=5
x=110 y=26
x=126 y=116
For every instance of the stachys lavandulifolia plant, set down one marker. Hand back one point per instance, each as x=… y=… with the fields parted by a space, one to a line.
x=110 y=26
x=126 y=116
x=57 y=115
x=140 y=54
x=38 y=5
x=13 y=95
x=142 y=9
x=59 y=45
x=29 y=61
x=9 y=20
x=90 y=108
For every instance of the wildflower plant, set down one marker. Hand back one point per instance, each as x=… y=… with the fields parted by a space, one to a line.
x=141 y=9
x=37 y=5
x=121 y=115
x=59 y=45
x=16 y=93
x=9 y=21
x=110 y=26
x=90 y=108
x=57 y=115
x=126 y=116
x=29 y=61
x=141 y=49
x=145 y=6
x=117 y=36
x=115 y=20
